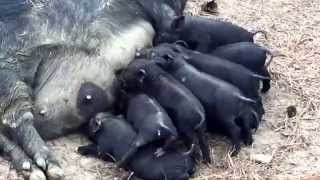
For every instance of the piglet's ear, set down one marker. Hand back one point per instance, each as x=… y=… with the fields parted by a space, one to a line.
x=142 y=75
x=95 y=125
x=177 y=23
x=168 y=57
x=142 y=72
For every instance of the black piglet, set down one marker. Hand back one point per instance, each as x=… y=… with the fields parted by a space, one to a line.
x=184 y=108
x=113 y=137
x=250 y=55
x=227 y=109
x=151 y=122
x=203 y=34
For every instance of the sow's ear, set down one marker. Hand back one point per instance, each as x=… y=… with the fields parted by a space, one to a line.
x=177 y=23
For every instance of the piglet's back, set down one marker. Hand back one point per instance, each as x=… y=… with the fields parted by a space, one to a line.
x=170 y=90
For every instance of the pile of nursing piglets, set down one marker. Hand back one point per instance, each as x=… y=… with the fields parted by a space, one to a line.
x=202 y=76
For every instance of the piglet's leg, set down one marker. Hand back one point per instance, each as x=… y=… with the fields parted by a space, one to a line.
x=248 y=121
x=190 y=140
x=260 y=109
x=234 y=133
x=167 y=144
x=204 y=147
x=139 y=142
x=90 y=149
x=267 y=82
x=93 y=150
x=247 y=134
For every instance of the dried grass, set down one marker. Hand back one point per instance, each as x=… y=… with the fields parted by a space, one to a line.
x=294 y=30
x=293 y=143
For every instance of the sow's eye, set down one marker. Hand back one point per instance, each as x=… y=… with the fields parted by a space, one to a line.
x=91 y=100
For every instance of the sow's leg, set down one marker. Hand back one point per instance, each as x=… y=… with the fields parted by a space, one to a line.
x=19 y=159
x=17 y=117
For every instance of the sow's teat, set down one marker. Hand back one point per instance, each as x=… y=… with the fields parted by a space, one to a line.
x=91 y=100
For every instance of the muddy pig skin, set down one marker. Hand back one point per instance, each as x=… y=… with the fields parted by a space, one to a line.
x=55 y=56
x=227 y=109
x=151 y=122
x=203 y=34
x=185 y=110
x=113 y=136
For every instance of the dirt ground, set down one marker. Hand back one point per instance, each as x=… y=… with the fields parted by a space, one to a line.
x=284 y=148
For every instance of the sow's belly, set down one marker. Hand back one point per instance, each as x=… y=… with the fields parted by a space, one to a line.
x=60 y=79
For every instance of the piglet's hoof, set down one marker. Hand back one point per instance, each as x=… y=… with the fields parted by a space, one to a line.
x=248 y=141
